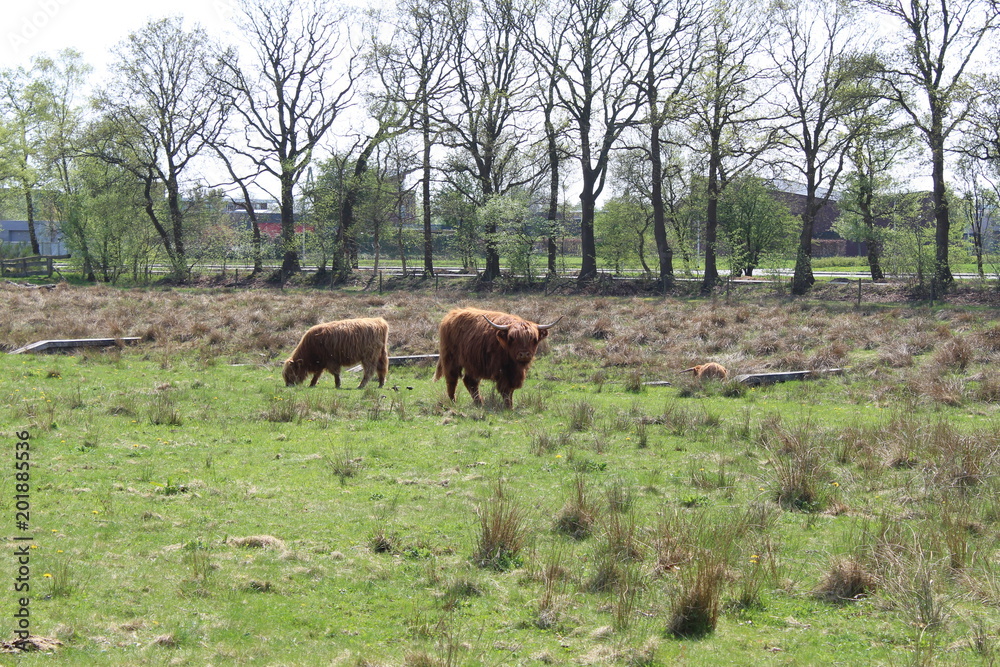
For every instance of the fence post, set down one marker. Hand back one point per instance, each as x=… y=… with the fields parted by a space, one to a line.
x=859 y=292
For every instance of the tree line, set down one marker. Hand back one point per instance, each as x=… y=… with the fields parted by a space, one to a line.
x=482 y=113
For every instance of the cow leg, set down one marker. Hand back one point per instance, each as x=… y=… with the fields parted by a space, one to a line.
x=382 y=368
x=366 y=375
x=508 y=399
x=336 y=378
x=452 y=382
x=316 y=377
x=507 y=391
x=472 y=384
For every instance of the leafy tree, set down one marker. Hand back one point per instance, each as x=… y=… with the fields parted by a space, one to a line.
x=64 y=77
x=515 y=231
x=458 y=214
x=624 y=225
x=755 y=224
x=978 y=203
x=910 y=240
x=161 y=109
x=25 y=107
x=877 y=144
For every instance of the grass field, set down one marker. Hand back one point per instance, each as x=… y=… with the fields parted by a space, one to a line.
x=189 y=509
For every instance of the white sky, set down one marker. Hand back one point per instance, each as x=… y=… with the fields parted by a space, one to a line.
x=94 y=27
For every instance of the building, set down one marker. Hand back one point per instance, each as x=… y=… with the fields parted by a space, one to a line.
x=49 y=234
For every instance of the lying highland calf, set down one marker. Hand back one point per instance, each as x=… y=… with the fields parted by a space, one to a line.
x=331 y=345
x=487 y=345
x=709 y=370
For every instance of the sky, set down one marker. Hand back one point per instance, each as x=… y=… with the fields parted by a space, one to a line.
x=94 y=27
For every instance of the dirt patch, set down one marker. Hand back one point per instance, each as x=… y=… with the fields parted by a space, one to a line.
x=31 y=643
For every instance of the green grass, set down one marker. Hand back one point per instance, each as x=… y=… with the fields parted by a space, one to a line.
x=190 y=511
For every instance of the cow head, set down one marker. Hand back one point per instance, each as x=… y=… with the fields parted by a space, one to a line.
x=294 y=371
x=521 y=338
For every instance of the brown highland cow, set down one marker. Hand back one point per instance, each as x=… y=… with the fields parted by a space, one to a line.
x=709 y=370
x=487 y=345
x=331 y=345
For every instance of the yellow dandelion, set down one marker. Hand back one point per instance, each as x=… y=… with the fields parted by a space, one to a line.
x=47 y=575
x=558 y=456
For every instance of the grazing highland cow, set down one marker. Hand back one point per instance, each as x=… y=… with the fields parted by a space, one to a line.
x=331 y=345
x=487 y=345
x=709 y=370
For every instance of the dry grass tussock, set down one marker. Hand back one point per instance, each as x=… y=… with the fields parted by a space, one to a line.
x=657 y=336
x=257 y=542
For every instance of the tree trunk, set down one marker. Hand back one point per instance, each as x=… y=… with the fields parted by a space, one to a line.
x=942 y=269
x=664 y=252
x=588 y=207
x=177 y=229
x=29 y=203
x=149 y=205
x=492 y=269
x=711 y=275
x=290 y=256
x=426 y=187
x=553 y=213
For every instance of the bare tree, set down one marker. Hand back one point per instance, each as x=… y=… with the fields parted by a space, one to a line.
x=418 y=53
x=490 y=101
x=298 y=85
x=727 y=124
x=821 y=77
x=545 y=45
x=598 y=67
x=671 y=32
x=162 y=109
x=927 y=72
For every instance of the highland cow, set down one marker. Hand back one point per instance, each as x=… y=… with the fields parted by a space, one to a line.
x=487 y=345
x=709 y=370
x=331 y=345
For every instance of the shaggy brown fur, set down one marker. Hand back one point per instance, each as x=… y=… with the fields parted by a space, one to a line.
x=486 y=352
x=331 y=345
x=709 y=370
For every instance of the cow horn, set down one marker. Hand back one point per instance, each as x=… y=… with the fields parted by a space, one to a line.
x=500 y=327
x=543 y=327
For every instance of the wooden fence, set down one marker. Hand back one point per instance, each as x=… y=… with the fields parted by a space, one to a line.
x=30 y=266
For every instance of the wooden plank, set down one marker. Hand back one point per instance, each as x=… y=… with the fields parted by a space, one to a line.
x=401 y=361
x=68 y=344
x=756 y=379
